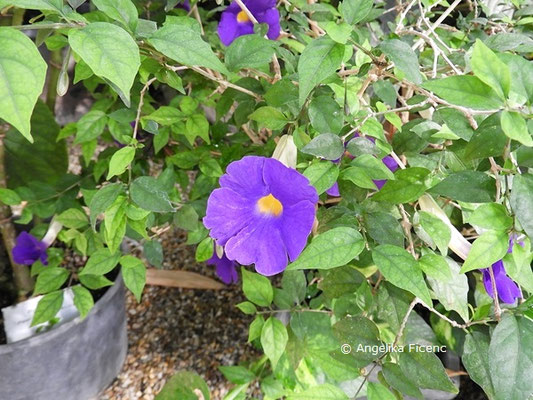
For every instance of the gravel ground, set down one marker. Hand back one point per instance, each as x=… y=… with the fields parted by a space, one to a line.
x=181 y=329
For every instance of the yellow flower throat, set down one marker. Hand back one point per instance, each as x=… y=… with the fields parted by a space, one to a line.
x=242 y=17
x=269 y=205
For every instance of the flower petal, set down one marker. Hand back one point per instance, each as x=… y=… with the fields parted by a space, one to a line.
x=246 y=178
x=296 y=226
x=271 y=17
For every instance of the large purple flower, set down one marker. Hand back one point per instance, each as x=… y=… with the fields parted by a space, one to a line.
x=29 y=249
x=508 y=290
x=234 y=22
x=225 y=268
x=262 y=213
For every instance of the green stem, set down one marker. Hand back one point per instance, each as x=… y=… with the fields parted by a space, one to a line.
x=47 y=26
x=56 y=60
x=18 y=16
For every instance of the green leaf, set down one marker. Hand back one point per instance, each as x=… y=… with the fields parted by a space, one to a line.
x=50 y=279
x=435 y=266
x=320 y=59
x=95 y=282
x=490 y=247
x=103 y=199
x=204 y=251
x=384 y=228
x=330 y=249
x=404 y=58
x=255 y=329
x=73 y=218
x=326 y=115
x=465 y=90
x=325 y=391
x=325 y=145
x=237 y=374
x=48 y=5
x=425 y=370
x=274 y=339
x=358 y=332
x=376 y=391
x=338 y=32
x=476 y=361
x=396 y=379
x=47 y=307
x=522 y=201
x=153 y=252
x=488 y=67
x=197 y=125
x=183 y=386
x=83 y=300
x=249 y=51
x=180 y=40
x=123 y=11
x=437 y=230
x=22 y=75
x=354 y=11
x=133 y=274
x=515 y=127
x=322 y=175
x=9 y=197
x=269 y=117
x=488 y=140
x=247 y=307
x=401 y=269
x=100 y=262
x=295 y=284
x=148 y=194
x=257 y=288
x=510 y=362
x=110 y=52
x=468 y=186
x=364 y=170
x=120 y=161
x=90 y=126
x=408 y=186
x=211 y=168
x=491 y=216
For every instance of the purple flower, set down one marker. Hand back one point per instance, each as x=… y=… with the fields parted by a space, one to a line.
x=392 y=165
x=262 y=213
x=225 y=268
x=234 y=22
x=185 y=5
x=29 y=249
x=508 y=290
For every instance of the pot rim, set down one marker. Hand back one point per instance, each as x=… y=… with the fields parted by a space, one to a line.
x=39 y=339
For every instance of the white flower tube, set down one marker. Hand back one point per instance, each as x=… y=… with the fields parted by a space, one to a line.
x=285 y=151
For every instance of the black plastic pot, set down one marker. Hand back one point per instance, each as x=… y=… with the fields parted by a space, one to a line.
x=75 y=361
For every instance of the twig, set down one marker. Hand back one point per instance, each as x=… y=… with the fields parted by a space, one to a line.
x=437 y=22
x=406 y=225
x=497 y=309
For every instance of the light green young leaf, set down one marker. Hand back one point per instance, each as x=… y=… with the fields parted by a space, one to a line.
x=376 y=391
x=133 y=274
x=110 y=52
x=123 y=11
x=50 y=279
x=47 y=307
x=269 y=117
x=354 y=11
x=120 y=161
x=274 y=339
x=330 y=249
x=438 y=231
x=249 y=51
x=257 y=288
x=404 y=58
x=515 y=127
x=83 y=300
x=322 y=175
x=100 y=262
x=9 y=197
x=22 y=76
x=73 y=218
x=490 y=247
x=488 y=67
x=325 y=391
x=491 y=216
x=522 y=201
x=48 y=5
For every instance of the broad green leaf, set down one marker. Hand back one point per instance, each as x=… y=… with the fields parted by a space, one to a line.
x=123 y=11
x=376 y=391
x=476 y=360
x=340 y=281
x=269 y=117
x=364 y=170
x=197 y=125
x=153 y=252
x=48 y=5
x=326 y=115
x=490 y=247
x=73 y=218
x=50 y=279
x=45 y=160
x=148 y=194
x=90 y=126
x=515 y=127
x=488 y=140
x=115 y=223
x=384 y=228
x=295 y=284
x=426 y=371
x=47 y=307
x=401 y=269
x=103 y=199
x=354 y=11
x=133 y=274
x=9 y=197
x=320 y=59
x=358 y=332
x=22 y=75
x=100 y=262
x=435 y=266
x=322 y=175
x=393 y=304
x=325 y=391
x=408 y=186
x=521 y=76
x=330 y=249
x=468 y=186
x=247 y=307
x=83 y=300
x=518 y=265
x=166 y=115
x=338 y=32
x=465 y=90
x=522 y=201
x=488 y=67
x=120 y=161
x=274 y=338
x=326 y=145
x=204 y=251
x=438 y=231
x=404 y=58
x=452 y=293
x=110 y=52
x=491 y=216
x=396 y=379
x=257 y=288
x=184 y=385
x=249 y=51
x=314 y=329
x=510 y=362
x=237 y=374
x=95 y=281
x=180 y=40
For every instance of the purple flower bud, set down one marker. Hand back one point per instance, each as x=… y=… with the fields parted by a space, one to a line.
x=225 y=268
